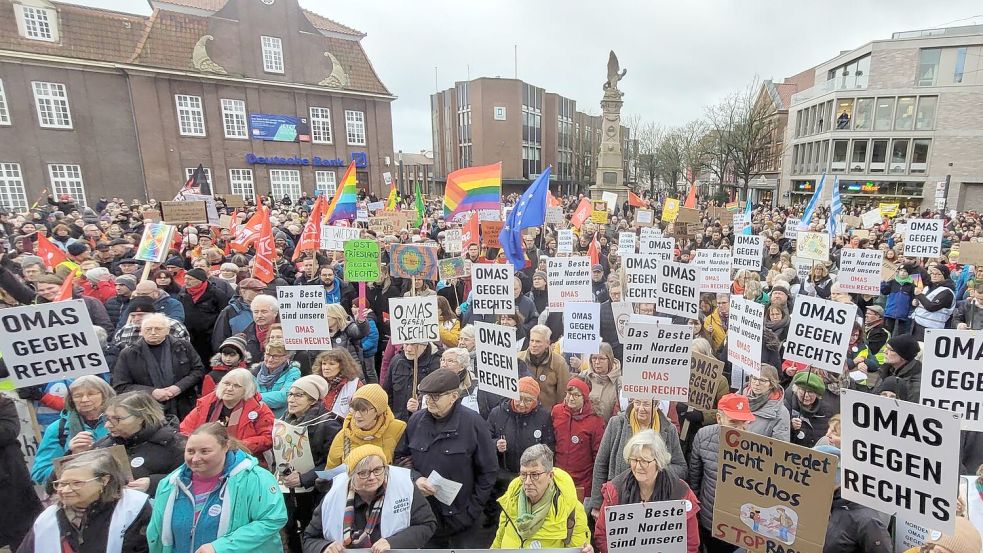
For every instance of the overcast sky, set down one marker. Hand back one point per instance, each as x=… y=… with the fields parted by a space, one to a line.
x=680 y=55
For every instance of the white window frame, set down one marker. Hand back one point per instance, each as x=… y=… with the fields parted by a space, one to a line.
x=272 y=54
x=13 y=195
x=188 y=171
x=320 y=125
x=355 y=127
x=51 y=102
x=37 y=23
x=66 y=178
x=326 y=182
x=241 y=183
x=285 y=182
x=190 y=115
x=4 y=110
x=234 y=119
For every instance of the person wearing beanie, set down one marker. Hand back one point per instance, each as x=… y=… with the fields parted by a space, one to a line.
x=125 y=285
x=202 y=303
x=853 y=527
x=231 y=354
x=275 y=374
x=578 y=432
x=934 y=301
x=892 y=387
x=78 y=251
x=98 y=284
x=767 y=400
x=809 y=414
x=517 y=424
x=369 y=421
x=780 y=294
x=901 y=360
x=365 y=508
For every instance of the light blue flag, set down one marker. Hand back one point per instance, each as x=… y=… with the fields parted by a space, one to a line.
x=811 y=206
x=835 y=210
x=748 y=229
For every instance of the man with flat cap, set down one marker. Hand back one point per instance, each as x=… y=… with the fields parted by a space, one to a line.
x=455 y=441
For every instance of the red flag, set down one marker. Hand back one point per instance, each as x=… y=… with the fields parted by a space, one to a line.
x=634 y=200
x=469 y=232
x=310 y=238
x=551 y=201
x=594 y=250
x=248 y=232
x=264 y=264
x=50 y=254
x=691 y=198
x=67 y=288
x=582 y=213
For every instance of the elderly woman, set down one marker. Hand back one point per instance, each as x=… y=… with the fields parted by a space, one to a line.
x=366 y=508
x=604 y=375
x=342 y=373
x=220 y=499
x=152 y=442
x=767 y=401
x=459 y=361
x=236 y=404
x=93 y=511
x=578 y=434
x=819 y=284
x=346 y=334
x=274 y=375
x=648 y=479
x=540 y=509
x=80 y=425
x=809 y=414
x=370 y=421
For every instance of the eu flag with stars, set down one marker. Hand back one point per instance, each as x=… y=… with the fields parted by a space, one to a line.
x=529 y=212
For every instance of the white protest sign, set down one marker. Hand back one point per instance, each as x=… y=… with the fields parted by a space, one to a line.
x=569 y=280
x=803 y=267
x=657 y=358
x=452 y=240
x=745 y=326
x=489 y=215
x=362 y=214
x=291 y=450
x=658 y=246
x=621 y=311
x=860 y=271
x=650 y=232
x=610 y=198
x=414 y=320
x=819 y=333
x=792 y=228
x=644 y=217
x=641 y=272
x=564 y=241
x=581 y=327
x=952 y=374
x=923 y=238
x=496 y=365
x=678 y=289
x=376 y=206
x=626 y=242
x=304 y=317
x=812 y=245
x=554 y=215
x=748 y=251
x=639 y=318
x=872 y=218
x=493 y=289
x=900 y=457
x=654 y=527
x=50 y=341
x=715 y=270
x=907 y=534
x=738 y=222
x=333 y=238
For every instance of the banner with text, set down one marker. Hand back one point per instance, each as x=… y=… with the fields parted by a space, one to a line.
x=952 y=374
x=493 y=291
x=497 y=366
x=414 y=320
x=819 y=333
x=304 y=317
x=569 y=280
x=657 y=361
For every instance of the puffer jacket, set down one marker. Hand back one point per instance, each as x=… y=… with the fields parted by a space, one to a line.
x=275 y=394
x=521 y=430
x=565 y=524
x=854 y=528
x=255 y=427
x=604 y=391
x=899 y=296
x=578 y=438
x=702 y=478
x=772 y=419
x=153 y=451
x=399 y=379
x=613 y=491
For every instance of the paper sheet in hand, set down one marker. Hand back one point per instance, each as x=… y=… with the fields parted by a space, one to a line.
x=446 y=489
x=331 y=473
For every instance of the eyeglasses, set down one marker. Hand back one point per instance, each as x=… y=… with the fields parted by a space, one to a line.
x=117 y=420
x=757 y=380
x=365 y=411
x=297 y=395
x=74 y=485
x=534 y=476
x=232 y=385
x=436 y=397
x=376 y=472
x=640 y=463
x=525 y=400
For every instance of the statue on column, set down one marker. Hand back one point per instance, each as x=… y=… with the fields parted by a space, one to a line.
x=610 y=159
x=611 y=85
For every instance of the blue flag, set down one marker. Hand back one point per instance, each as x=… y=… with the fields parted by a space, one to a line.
x=835 y=210
x=811 y=206
x=530 y=211
x=748 y=228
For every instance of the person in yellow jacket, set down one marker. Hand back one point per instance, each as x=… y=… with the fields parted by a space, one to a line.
x=715 y=325
x=370 y=421
x=541 y=510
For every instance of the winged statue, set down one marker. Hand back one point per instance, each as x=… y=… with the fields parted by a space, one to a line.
x=613 y=72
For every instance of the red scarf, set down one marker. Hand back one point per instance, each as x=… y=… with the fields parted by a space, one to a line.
x=262 y=334
x=197 y=291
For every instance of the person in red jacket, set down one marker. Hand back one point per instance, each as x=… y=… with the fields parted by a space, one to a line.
x=578 y=435
x=99 y=284
x=240 y=408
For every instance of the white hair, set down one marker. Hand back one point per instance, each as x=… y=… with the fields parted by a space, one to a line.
x=542 y=330
x=653 y=442
x=266 y=299
x=157 y=317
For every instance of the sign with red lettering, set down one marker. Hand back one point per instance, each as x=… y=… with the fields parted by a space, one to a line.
x=569 y=280
x=715 y=266
x=657 y=360
x=860 y=271
x=745 y=326
x=304 y=317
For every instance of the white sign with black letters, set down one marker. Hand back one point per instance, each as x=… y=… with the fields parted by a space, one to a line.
x=496 y=364
x=564 y=241
x=923 y=238
x=626 y=243
x=652 y=527
x=304 y=317
x=333 y=238
x=493 y=291
x=581 y=327
x=745 y=325
x=678 y=289
x=414 y=320
x=659 y=246
x=952 y=374
x=715 y=270
x=748 y=251
x=819 y=333
x=657 y=361
x=641 y=273
x=860 y=271
x=569 y=280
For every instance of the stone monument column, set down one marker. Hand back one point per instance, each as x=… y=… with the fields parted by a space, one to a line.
x=610 y=159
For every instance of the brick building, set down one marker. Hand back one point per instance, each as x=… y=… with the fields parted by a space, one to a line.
x=269 y=97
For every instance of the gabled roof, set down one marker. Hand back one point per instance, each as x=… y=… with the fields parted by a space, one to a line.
x=318 y=20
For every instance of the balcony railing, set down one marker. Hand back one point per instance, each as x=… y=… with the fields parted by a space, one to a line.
x=824 y=88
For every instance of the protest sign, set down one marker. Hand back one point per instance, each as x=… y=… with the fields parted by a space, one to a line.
x=738 y=222
x=812 y=245
x=452 y=240
x=569 y=280
x=871 y=218
x=803 y=267
x=626 y=242
x=179 y=213
x=362 y=215
x=678 y=289
x=489 y=233
x=652 y=527
x=952 y=374
x=851 y=221
x=971 y=253
x=414 y=320
x=333 y=238
x=748 y=251
x=688 y=215
x=621 y=311
x=907 y=534
x=361 y=260
x=745 y=326
x=291 y=451
x=647 y=233
x=495 y=355
x=599 y=212
x=657 y=358
x=564 y=241
x=658 y=246
x=49 y=341
x=611 y=199
x=792 y=229
x=703 y=376
x=819 y=333
x=772 y=496
x=581 y=327
x=155 y=242
x=234 y=201
x=453 y=267
x=29 y=433
x=670 y=210
x=413 y=261
x=900 y=457
x=888 y=270
x=859 y=233
x=641 y=274
x=375 y=206
x=489 y=215
x=889 y=209
x=644 y=217
x=304 y=317
x=715 y=270
x=860 y=271
x=923 y=238
x=554 y=215
x=493 y=289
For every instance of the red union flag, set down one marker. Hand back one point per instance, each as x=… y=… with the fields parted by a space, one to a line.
x=310 y=238
x=248 y=232
x=49 y=253
x=469 y=232
x=264 y=264
x=582 y=213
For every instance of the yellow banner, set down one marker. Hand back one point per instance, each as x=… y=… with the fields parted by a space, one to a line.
x=670 y=210
x=889 y=210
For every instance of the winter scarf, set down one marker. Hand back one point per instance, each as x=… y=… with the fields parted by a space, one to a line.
x=197 y=292
x=531 y=517
x=365 y=436
x=364 y=539
x=902 y=281
x=661 y=492
x=267 y=378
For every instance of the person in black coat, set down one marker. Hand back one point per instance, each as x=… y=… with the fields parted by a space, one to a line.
x=202 y=305
x=17 y=496
x=399 y=380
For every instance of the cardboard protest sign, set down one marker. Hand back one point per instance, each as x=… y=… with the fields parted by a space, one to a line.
x=688 y=215
x=871 y=218
x=333 y=238
x=678 y=289
x=234 y=201
x=923 y=238
x=900 y=457
x=748 y=251
x=304 y=317
x=361 y=260
x=657 y=358
x=851 y=221
x=859 y=233
x=952 y=374
x=489 y=233
x=599 y=212
x=622 y=312
x=745 y=326
x=641 y=274
x=569 y=280
x=496 y=363
x=860 y=271
x=493 y=289
x=554 y=215
x=564 y=241
x=49 y=341
x=658 y=246
x=772 y=496
x=971 y=253
x=653 y=527
x=453 y=267
x=812 y=245
x=888 y=270
x=291 y=450
x=581 y=327
x=792 y=229
x=644 y=217
x=611 y=199
x=413 y=261
x=703 y=376
x=414 y=320
x=29 y=434
x=179 y=213
x=626 y=242
x=452 y=240
x=670 y=210
x=819 y=333
x=714 y=270
x=155 y=242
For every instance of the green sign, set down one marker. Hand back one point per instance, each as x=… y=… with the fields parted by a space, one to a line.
x=361 y=261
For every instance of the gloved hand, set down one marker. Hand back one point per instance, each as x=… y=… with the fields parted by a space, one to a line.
x=694 y=416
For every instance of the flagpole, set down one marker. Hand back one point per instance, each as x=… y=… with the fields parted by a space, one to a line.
x=416 y=360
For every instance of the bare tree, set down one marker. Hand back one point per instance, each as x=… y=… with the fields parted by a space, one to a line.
x=721 y=120
x=648 y=136
x=693 y=151
x=750 y=138
x=669 y=160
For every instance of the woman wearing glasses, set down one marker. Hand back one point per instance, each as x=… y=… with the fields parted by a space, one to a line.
x=766 y=398
x=153 y=444
x=369 y=422
x=372 y=505
x=93 y=511
x=274 y=375
x=647 y=480
x=237 y=405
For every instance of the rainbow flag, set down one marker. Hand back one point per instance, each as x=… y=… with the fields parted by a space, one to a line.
x=472 y=189
x=342 y=206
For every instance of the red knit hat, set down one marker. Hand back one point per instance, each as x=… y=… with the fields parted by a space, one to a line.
x=580 y=385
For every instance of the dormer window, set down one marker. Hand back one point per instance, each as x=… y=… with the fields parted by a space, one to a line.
x=272 y=54
x=37 y=22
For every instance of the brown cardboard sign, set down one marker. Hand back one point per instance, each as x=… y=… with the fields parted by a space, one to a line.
x=177 y=213
x=970 y=253
x=234 y=201
x=703 y=376
x=489 y=233
x=688 y=215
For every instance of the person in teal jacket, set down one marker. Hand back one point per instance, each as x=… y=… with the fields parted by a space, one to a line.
x=274 y=377
x=219 y=501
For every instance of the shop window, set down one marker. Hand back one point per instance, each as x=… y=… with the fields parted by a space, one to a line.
x=844 y=113
x=858 y=157
x=884 y=113
x=865 y=114
x=899 y=155
x=838 y=164
x=904 y=117
x=878 y=156
x=925 y=115
x=919 y=155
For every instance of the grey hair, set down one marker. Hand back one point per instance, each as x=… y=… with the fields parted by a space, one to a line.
x=140 y=405
x=102 y=463
x=540 y=453
x=541 y=329
x=158 y=317
x=101 y=335
x=463 y=355
x=652 y=441
x=469 y=330
x=88 y=381
x=702 y=346
x=243 y=377
x=269 y=300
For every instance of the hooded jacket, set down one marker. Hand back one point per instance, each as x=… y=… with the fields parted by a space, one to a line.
x=578 y=438
x=275 y=395
x=772 y=418
x=565 y=524
x=521 y=430
x=153 y=451
x=255 y=432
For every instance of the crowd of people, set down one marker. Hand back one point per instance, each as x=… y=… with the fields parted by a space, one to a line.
x=200 y=372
